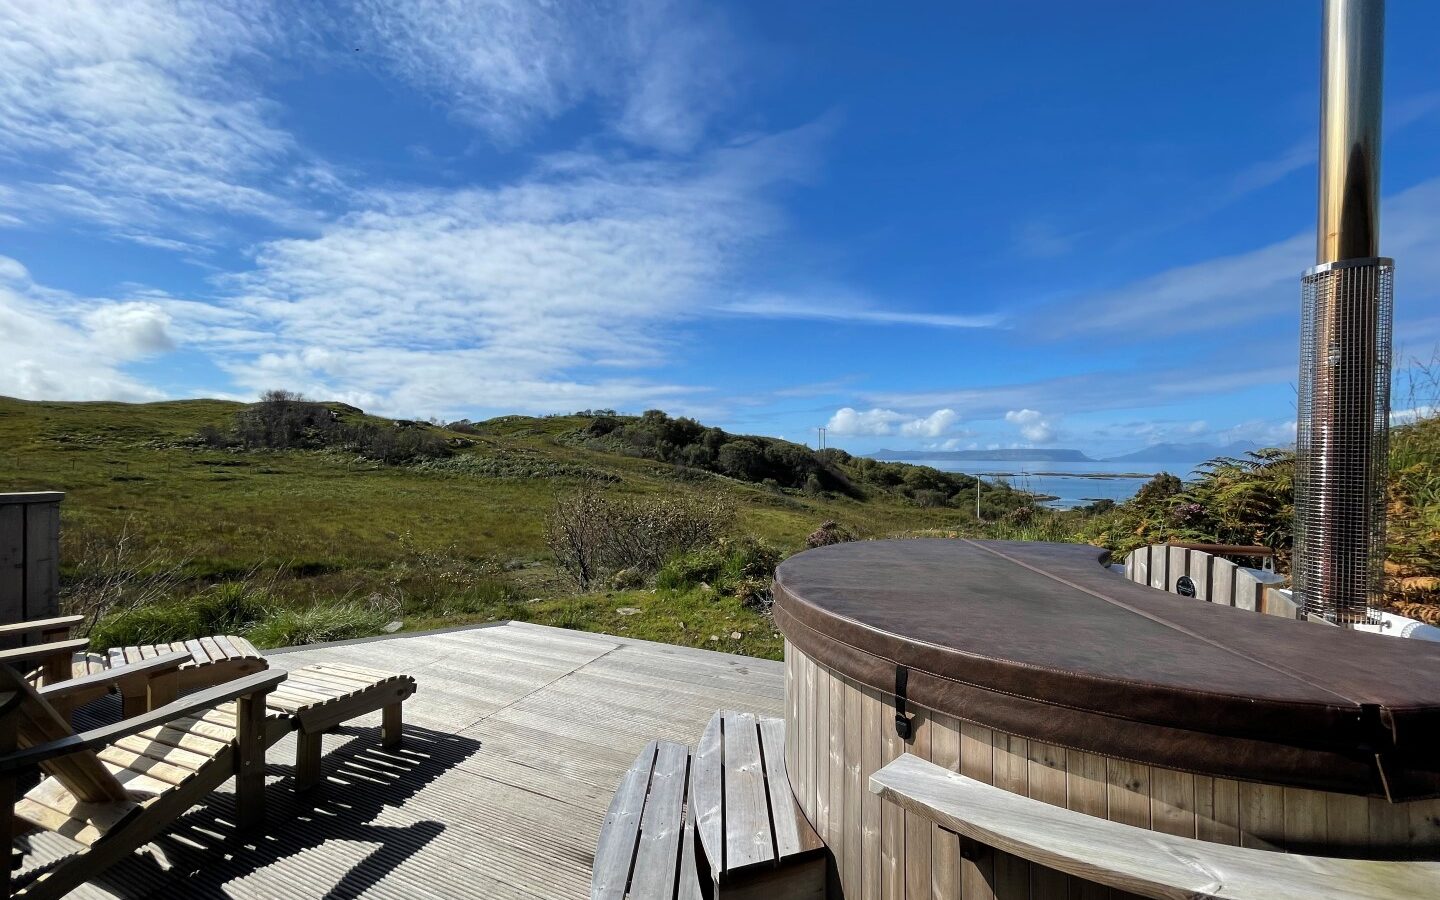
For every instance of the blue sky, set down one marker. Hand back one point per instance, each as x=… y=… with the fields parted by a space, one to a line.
x=963 y=225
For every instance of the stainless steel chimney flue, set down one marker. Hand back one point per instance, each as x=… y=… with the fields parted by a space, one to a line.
x=1342 y=436
x=1353 y=55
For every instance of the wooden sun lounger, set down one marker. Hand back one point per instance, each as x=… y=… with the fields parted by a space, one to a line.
x=114 y=788
x=209 y=660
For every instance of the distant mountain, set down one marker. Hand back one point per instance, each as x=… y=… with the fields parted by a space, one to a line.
x=1010 y=454
x=1186 y=453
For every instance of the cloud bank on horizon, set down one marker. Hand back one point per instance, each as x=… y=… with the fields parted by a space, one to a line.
x=433 y=209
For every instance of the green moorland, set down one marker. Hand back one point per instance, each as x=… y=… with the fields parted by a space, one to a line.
x=177 y=518
x=294 y=522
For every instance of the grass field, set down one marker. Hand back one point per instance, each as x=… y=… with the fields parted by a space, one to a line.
x=317 y=541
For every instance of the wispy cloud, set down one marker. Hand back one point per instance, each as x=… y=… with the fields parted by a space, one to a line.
x=139 y=115
x=1041 y=239
x=772 y=306
x=1086 y=392
x=517 y=297
x=1253 y=285
x=658 y=68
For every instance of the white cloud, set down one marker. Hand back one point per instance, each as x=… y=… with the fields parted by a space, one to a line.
x=659 y=68
x=1033 y=425
x=57 y=346
x=938 y=423
x=1267 y=433
x=132 y=329
x=848 y=421
x=1413 y=414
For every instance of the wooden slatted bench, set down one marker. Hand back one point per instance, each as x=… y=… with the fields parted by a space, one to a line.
x=1132 y=859
x=756 y=841
x=316 y=698
x=647 y=843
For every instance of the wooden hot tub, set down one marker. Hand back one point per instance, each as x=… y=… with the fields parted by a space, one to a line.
x=1033 y=668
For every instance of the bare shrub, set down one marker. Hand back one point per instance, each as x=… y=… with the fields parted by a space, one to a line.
x=116 y=570
x=594 y=536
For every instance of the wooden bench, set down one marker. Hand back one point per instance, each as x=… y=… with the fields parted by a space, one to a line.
x=318 y=697
x=647 y=844
x=757 y=842
x=1132 y=859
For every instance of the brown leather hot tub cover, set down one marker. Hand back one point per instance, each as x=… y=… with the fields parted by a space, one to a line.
x=1042 y=641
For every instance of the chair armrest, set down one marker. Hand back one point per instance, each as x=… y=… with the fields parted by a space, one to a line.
x=46 y=627
x=1133 y=859
x=42 y=651
x=77 y=690
x=258 y=684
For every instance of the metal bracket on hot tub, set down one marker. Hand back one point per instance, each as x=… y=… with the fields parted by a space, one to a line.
x=903 y=726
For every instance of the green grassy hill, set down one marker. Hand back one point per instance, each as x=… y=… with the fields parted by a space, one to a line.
x=310 y=544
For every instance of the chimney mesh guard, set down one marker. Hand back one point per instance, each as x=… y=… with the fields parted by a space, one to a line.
x=1342 y=439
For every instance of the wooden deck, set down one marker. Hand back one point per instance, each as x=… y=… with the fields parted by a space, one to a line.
x=514 y=742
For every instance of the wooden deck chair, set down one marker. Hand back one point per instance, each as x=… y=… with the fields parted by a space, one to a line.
x=112 y=789
x=209 y=660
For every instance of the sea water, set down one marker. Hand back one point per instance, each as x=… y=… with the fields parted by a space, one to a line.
x=1066 y=481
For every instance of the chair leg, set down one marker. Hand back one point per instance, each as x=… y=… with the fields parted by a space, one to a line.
x=134 y=701
x=307 y=760
x=250 y=761
x=9 y=728
x=390 y=726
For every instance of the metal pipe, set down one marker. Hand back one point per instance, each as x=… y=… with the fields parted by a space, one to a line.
x=1345 y=336
x=1353 y=54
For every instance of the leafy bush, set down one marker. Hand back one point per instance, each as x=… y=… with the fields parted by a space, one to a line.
x=594 y=536
x=743 y=568
x=1235 y=500
x=285 y=420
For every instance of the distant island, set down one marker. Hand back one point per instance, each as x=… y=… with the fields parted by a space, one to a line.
x=1008 y=454
x=1186 y=453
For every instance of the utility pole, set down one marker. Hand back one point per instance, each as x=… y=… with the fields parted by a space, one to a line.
x=977 y=499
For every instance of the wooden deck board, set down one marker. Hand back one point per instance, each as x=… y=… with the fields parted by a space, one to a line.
x=514 y=743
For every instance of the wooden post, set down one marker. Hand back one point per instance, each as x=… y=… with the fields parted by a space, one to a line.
x=162 y=689
x=390 y=727
x=9 y=734
x=29 y=557
x=250 y=760
x=308 y=752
